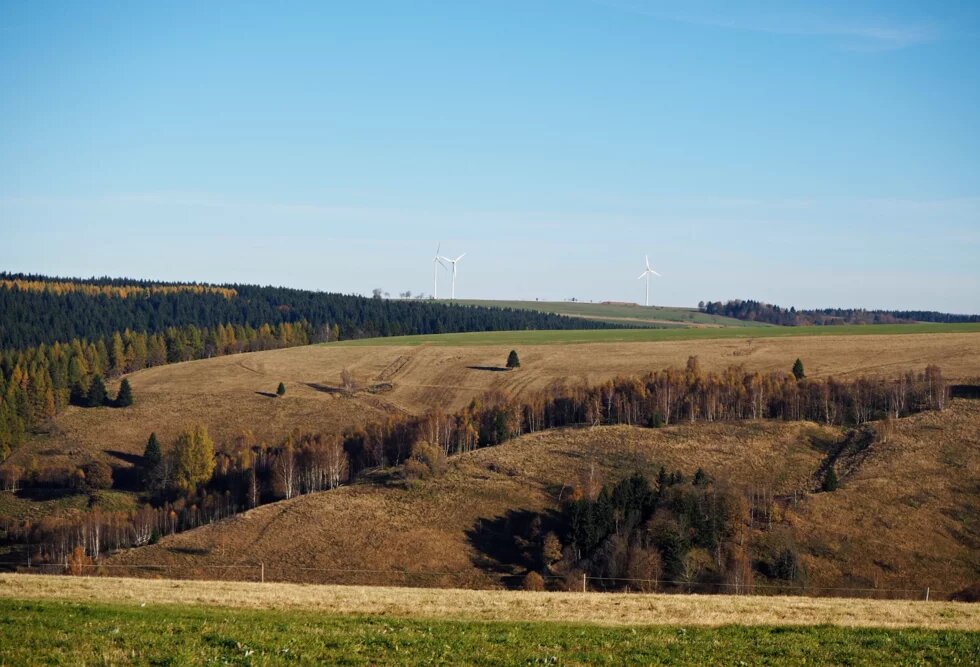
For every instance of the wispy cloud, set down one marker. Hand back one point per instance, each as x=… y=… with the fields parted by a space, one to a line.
x=851 y=32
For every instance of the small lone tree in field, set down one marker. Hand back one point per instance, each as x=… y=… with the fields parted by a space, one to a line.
x=830 y=482
x=124 y=398
x=798 y=370
x=281 y=389
x=513 y=361
x=347 y=382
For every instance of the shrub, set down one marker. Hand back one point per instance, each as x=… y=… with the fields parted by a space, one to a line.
x=427 y=460
x=281 y=389
x=78 y=563
x=798 y=370
x=98 y=475
x=513 y=361
x=533 y=581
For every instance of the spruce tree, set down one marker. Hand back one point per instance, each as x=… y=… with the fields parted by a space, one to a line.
x=96 y=392
x=798 y=370
x=513 y=361
x=152 y=463
x=281 y=389
x=125 y=396
x=830 y=480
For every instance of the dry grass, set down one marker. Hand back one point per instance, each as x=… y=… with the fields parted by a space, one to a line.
x=425 y=528
x=226 y=393
x=457 y=604
x=905 y=519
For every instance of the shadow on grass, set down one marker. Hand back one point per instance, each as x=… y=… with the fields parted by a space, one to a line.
x=511 y=543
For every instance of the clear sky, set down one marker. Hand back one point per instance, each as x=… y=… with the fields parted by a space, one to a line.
x=808 y=154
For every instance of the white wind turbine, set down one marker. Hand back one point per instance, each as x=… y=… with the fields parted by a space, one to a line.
x=453 y=262
x=436 y=263
x=646 y=274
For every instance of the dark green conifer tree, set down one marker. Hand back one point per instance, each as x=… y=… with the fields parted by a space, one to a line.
x=96 y=392
x=125 y=396
x=830 y=482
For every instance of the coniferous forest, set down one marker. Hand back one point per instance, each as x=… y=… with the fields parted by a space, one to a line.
x=37 y=309
x=757 y=311
x=61 y=338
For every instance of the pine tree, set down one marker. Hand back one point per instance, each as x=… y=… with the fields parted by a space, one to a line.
x=513 y=361
x=96 y=392
x=830 y=482
x=125 y=396
x=152 y=463
x=798 y=370
x=281 y=389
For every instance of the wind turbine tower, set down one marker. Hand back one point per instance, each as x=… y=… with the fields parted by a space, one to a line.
x=453 y=262
x=436 y=263
x=646 y=274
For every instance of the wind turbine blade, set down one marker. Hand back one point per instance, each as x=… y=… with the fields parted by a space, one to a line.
x=642 y=275
x=655 y=273
x=438 y=248
x=460 y=257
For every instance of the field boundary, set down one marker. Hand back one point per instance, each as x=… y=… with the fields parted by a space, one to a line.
x=647 y=335
x=273 y=573
x=461 y=604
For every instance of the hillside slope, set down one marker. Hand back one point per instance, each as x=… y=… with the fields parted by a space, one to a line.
x=232 y=394
x=903 y=518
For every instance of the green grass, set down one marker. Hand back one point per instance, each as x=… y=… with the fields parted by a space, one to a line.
x=66 y=633
x=654 y=316
x=642 y=335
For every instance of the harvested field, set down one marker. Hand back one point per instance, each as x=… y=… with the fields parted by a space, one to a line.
x=608 y=609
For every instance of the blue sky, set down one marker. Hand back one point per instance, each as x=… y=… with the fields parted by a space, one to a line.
x=808 y=154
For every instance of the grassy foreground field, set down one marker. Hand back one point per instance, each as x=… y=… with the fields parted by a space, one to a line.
x=70 y=620
x=84 y=633
x=579 y=336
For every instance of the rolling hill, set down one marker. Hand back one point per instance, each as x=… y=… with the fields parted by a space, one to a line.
x=904 y=516
x=232 y=394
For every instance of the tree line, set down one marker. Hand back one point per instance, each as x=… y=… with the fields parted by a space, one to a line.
x=757 y=311
x=38 y=382
x=31 y=315
x=197 y=481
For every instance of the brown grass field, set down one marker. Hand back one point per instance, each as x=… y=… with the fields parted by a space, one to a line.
x=905 y=518
x=232 y=394
x=607 y=609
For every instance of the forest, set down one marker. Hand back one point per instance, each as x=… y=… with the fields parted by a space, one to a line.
x=757 y=311
x=60 y=337
x=38 y=309
x=195 y=480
